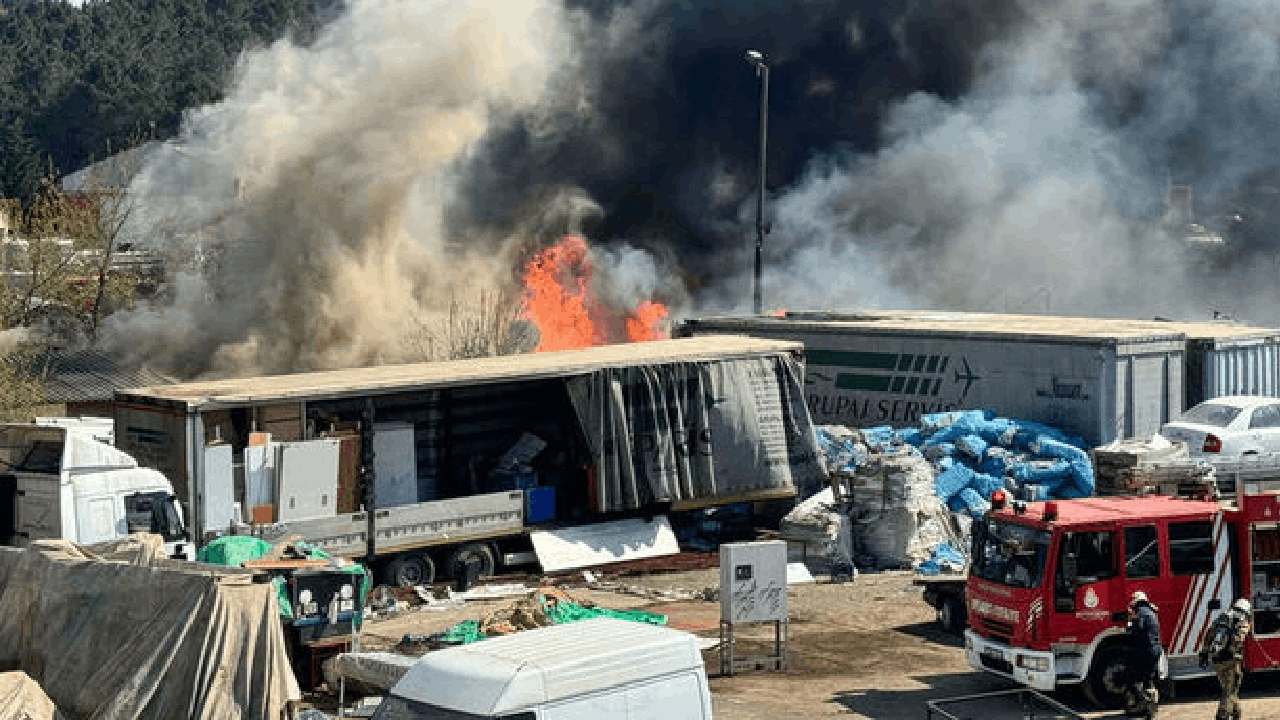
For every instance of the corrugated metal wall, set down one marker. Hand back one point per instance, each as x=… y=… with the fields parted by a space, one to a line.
x=1242 y=370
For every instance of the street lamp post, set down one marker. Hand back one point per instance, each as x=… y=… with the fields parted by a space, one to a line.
x=762 y=71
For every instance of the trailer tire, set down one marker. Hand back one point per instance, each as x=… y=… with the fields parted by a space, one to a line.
x=410 y=570
x=479 y=552
x=1105 y=684
x=951 y=614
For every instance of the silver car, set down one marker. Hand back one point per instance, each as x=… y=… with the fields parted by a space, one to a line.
x=1229 y=427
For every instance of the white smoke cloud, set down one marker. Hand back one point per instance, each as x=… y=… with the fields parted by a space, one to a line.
x=1024 y=195
x=317 y=187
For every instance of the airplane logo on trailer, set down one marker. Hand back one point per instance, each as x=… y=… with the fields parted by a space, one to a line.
x=893 y=373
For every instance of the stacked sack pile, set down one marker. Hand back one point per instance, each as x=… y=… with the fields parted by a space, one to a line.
x=901 y=483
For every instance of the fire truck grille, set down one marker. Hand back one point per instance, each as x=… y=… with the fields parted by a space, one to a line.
x=997 y=630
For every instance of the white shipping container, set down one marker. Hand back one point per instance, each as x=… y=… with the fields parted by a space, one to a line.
x=1231 y=360
x=1096 y=378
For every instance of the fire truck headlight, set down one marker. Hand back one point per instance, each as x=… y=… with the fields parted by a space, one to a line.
x=1036 y=664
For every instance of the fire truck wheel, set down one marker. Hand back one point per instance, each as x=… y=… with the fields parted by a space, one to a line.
x=479 y=552
x=1105 y=685
x=410 y=570
x=951 y=614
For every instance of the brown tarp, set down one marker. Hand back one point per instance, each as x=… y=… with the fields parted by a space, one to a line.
x=123 y=640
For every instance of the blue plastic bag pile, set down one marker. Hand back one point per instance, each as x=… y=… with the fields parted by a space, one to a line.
x=977 y=453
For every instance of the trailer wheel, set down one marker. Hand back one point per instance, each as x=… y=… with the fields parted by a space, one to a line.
x=479 y=552
x=1105 y=685
x=951 y=614
x=410 y=570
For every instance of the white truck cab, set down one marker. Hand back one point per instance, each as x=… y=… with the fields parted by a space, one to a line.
x=61 y=482
x=599 y=669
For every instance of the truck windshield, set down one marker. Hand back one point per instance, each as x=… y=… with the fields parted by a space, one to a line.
x=1009 y=554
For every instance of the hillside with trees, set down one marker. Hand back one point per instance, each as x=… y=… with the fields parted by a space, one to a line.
x=78 y=83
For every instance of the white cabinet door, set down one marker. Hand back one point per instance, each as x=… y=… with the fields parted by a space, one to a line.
x=307 y=475
x=395 y=465
x=218 y=490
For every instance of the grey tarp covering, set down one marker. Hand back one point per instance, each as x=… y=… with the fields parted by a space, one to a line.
x=693 y=431
x=116 y=641
x=22 y=699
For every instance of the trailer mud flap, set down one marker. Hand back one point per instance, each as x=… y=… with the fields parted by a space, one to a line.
x=603 y=543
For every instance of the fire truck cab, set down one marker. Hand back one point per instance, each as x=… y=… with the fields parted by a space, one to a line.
x=1049 y=585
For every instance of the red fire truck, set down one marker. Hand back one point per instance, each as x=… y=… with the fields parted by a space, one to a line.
x=1049 y=584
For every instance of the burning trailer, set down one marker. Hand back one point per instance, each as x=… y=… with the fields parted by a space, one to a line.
x=572 y=458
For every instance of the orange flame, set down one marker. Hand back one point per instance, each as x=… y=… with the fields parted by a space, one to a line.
x=642 y=324
x=558 y=299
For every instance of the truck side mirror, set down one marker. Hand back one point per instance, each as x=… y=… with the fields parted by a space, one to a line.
x=1215 y=604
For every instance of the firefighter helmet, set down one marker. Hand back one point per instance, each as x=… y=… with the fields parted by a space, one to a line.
x=1242 y=605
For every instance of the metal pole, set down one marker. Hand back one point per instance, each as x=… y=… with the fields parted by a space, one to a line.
x=762 y=69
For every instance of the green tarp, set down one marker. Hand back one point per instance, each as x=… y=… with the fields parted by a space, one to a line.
x=236 y=549
x=559 y=613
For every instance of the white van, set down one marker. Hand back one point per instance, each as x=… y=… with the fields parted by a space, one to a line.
x=599 y=669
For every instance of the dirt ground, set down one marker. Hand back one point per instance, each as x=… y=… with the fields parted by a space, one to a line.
x=867 y=648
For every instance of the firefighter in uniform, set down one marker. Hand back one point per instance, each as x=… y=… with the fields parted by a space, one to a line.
x=1144 y=654
x=1223 y=644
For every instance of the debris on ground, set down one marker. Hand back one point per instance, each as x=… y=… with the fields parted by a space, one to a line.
x=367 y=673
x=547 y=606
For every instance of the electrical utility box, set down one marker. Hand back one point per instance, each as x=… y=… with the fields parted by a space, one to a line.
x=753 y=582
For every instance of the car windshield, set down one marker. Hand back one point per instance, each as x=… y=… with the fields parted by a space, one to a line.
x=1009 y=554
x=1214 y=414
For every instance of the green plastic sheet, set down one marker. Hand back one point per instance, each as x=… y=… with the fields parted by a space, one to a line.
x=567 y=612
x=233 y=550
x=559 y=613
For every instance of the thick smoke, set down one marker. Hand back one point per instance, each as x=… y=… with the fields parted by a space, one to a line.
x=1005 y=155
x=1011 y=156
x=310 y=202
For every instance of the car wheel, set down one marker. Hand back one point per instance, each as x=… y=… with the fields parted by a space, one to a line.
x=951 y=614
x=1106 y=682
x=410 y=570
x=479 y=552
